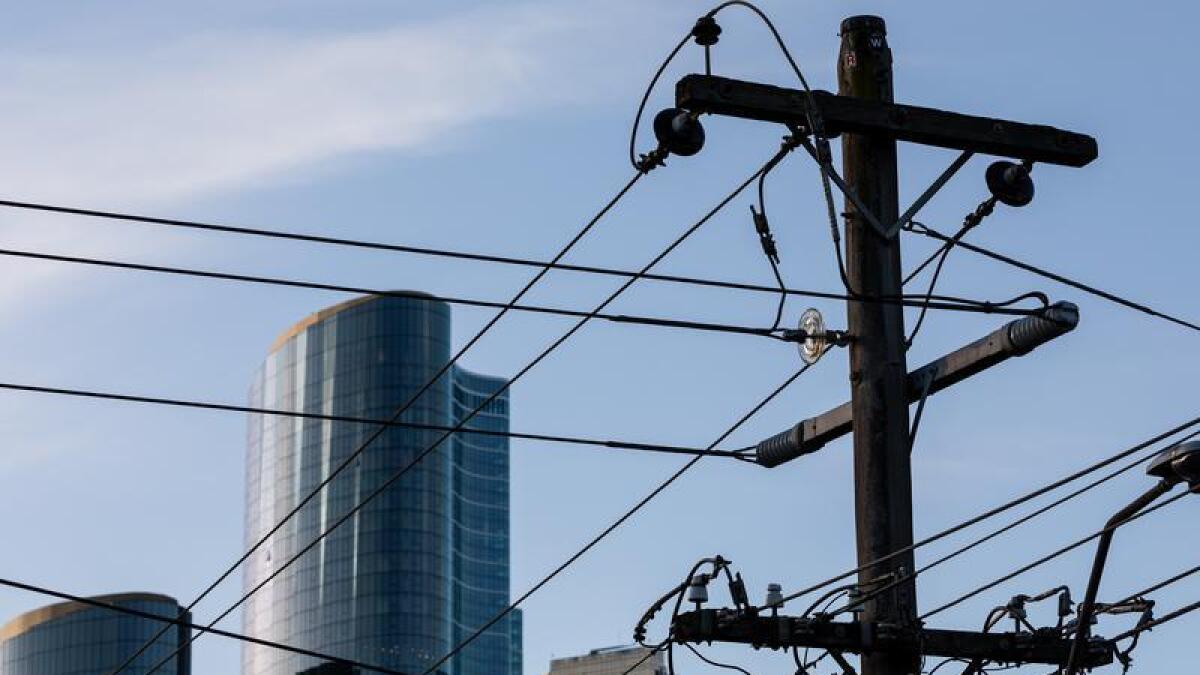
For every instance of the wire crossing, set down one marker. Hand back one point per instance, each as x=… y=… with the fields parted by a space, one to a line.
x=616 y=523
x=516 y=377
x=169 y=622
x=1067 y=281
x=379 y=431
x=1048 y=557
x=1002 y=508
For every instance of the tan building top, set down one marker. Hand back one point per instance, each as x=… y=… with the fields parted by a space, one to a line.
x=42 y=615
x=610 y=661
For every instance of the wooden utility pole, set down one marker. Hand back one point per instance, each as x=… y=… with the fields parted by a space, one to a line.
x=887 y=634
x=878 y=371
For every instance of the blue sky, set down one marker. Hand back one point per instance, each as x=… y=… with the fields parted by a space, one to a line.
x=499 y=127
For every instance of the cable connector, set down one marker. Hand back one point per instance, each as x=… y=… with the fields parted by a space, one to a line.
x=765 y=239
x=650 y=161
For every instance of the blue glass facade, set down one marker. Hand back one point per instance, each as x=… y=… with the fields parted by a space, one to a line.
x=427 y=560
x=71 y=638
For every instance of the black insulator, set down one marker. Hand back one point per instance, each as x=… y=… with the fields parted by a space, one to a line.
x=679 y=132
x=1009 y=183
x=706 y=31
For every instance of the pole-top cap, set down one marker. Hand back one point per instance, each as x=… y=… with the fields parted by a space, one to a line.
x=865 y=23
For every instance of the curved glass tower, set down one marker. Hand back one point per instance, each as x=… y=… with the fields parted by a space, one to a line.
x=71 y=638
x=426 y=561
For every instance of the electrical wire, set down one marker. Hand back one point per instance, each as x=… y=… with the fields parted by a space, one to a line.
x=970 y=222
x=941 y=302
x=637 y=118
x=379 y=431
x=169 y=622
x=371 y=245
x=275 y=281
x=1006 y=528
x=741 y=453
x=619 y=521
x=1157 y=587
x=1048 y=557
x=990 y=513
x=815 y=127
x=1157 y=622
x=718 y=664
x=763 y=229
x=1078 y=285
x=952 y=659
x=529 y=366
x=945 y=252
x=650 y=652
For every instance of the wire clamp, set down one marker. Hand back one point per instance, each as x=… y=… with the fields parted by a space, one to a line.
x=650 y=161
x=765 y=239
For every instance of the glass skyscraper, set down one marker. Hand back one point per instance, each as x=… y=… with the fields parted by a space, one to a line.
x=71 y=638
x=426 y=562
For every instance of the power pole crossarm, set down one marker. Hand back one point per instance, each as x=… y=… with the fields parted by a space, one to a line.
x=1015 y=338
x=1045 y=646
x=849 y=114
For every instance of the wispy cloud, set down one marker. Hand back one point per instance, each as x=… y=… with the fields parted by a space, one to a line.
x=213 y=111
x=163 y=122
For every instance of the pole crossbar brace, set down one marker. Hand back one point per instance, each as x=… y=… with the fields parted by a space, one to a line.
x=886 y=232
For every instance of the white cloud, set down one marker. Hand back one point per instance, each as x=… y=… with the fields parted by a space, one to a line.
x=214 y=111
x=162 y=122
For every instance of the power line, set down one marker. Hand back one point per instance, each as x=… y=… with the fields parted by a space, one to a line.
x=1048 y=557
x=168 y=622
x=479 y=257
x=529 y=366
x=617 y=523
x=382 y=246
x=379 y=431
x=970 y=222
x=859 y=602
x=1092 y=290
x=275 y=281
x=718 y=664
x=646 y=657
x=990 y=513
x=942 y=302
x=226 y=407
x=1157 y=622
x=1159 y=586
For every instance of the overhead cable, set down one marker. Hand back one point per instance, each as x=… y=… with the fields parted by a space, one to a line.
x=990 y=513
x=487 y=400
x=1157 y=587
x=860 y=601
x=171 y=621
x=617 y=523
x=253 y=410
x=1047 y=558
x=379 y=431
x=941 y=302
x=1158 y=622
x=1079 y=285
